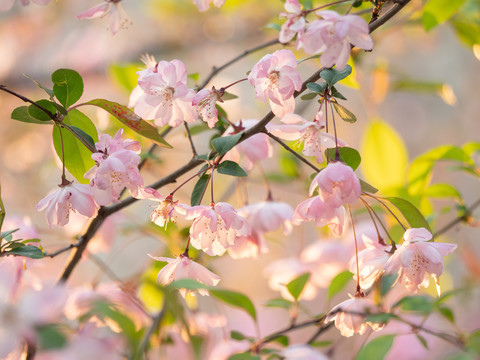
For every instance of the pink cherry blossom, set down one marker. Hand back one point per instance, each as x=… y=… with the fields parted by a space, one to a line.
x=254 y=149
x=333 y=35
x=7 y=4
x=308 y=133
x=69 y=197
x=301 y=352
x=248 y=246
x=183 y=267
x=275 y=79
x=116 y=168
x=222 y=350
x=268 y=216
x=315 y=209
x=203 y=5
x=164 y=96
x=417 y=257
x=337 y=184
x=295 y=21
x=118 y=17
x=205 y=101
x=349 y=323
x=216 y=227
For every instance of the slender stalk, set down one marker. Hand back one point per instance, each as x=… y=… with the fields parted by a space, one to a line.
x=386 y=207
x=189 y=136
x=379 y=237
x=234 y=83
x=211 y=189
x=25 y=99
x=2 y=211
x=326 y=5
x=367 y=205
x=146 y=339
x=359 y=289
x=190 y=178
x=63 y=155
x=337 y=154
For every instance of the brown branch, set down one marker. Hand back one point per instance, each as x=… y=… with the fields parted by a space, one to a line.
x=25 y=99
x=459 y=219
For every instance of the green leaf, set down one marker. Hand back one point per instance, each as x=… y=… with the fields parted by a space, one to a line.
x=317 y=88
x=239 y=336
x=281 y=303
x=446 y=312
x=229 y=96
x=436 y=12
x=67 y=86
x=189 y=284
x=225 y=143
x=415 y=303
x=78 y=158
x=321 y=343
x=48 y=91
x=41 y=115
x=376 y=349
x=338 y=283
x=128 y=118
x=49 y=337
x=473 y=342
x=366 y=187
x=344 y=113
x=332 y=76
x=468 y=30
x=273 y=26
x=199 y=190
x=349 y=156
x=228 y=167
x=296 y=286
x=282 y=340
x=29 y=251
x=441 y=191
x=386 y=283
x=410 y=212
x=422 y=340
x=21 y=114
x=384 y=156
x=309 y=96
x=235 y=299
x=244 y=356
x=79 y=133
x=337 y=94
x=5 y=234
x=382 y=318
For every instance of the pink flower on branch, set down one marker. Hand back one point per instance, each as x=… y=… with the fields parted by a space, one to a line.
x=118 y=17
x=164 y=95
x=315 y=209
x=333 y=35
x=203 y=5
x=268 y=216
x=275 y=79
x=205 y=101
x=295 y=22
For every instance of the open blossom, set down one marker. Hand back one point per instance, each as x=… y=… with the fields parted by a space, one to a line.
x=417 y=257
x=254 y=149
x=7 y=4
x=295 y=21
x=275 y=79
x=164 y=96
x=116 y=168
x=315 y=209
x=349 y=323
x=215 y=227
x=333 y=35
x=337 y=184
x=183 y=267
x=203 y=5
x=205 y=101
x=308 y=133
x=248 y=246
x=69 y=197
x=268 y=216
x=118 y=17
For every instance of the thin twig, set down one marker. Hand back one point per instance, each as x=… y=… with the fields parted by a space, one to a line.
x=459 y=219
x=25 y=99
x=189 y=136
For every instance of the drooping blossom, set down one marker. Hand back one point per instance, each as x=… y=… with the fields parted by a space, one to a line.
x=268 y=216
x=417 y=257
x=184 y=268
x=275 y=79
x=5 y=5
x=224 y=349
x=205 y=101
x=337 y=184
x=248 y=246
x=216 y=227
x=116 y=167
x=302 y=352
x=295 y=22
x=347 y=318
x=203 y=5
x=118 y=17
x=308 y=133
x=69 y=197
x=282 y=271
x=254 y=149
x=315 y=209
x=164 y=96
x=333 y=35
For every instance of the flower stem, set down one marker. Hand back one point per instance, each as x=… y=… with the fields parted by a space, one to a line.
x=359 y=289
x=388 y=209
x=326 y=5
x=234 y=83
x=46 y=111
x=337 y=153
x=392 y=243
x=190 y=178
x=63 y=156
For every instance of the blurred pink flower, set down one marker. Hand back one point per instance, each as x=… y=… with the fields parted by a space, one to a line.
x=332 y=36
x=7 y=4
x=337 y=185
x=224 y=349
x=203 y=5
x=417 y=257
x=275 y=79
x=216 y=227
x=165 y=97
x=308 y=133
x=302 y=352
x=315 y=209
x=205 y=101
x=268 y=216
x=116 y=168
x=254 y=149
x=113 y=8
x=248 y=246
x=349 y=323
x=295 y=21
x=71 y=197
x=184 y=268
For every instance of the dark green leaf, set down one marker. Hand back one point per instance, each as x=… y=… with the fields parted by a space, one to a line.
x=366 y=187
x=386 y=283
x=338 y=283
x=447 y=313
x=296 y=286
x=283 y=340
x=208 y=156
x=415 y=303
x=228 y=167
x=29 y=251
x=239 y=336
x=235 y=299
x=79 y=133
x=244 y=356
x=376 y=349
x=422 y=340
x=321 y=343
x=5 y=234
x=309 y=96
x=128 y=118
x=348 y=156
x=332 y=76
x=382 y=318
x=21 y=114
x=39 y=114
x=410 y=212
x=281 y=303
x=50 y=337
x=199 y=190
x=67 y=86
x=337 y=94
x=317 y=88
x=225 y=143
x=344 y=113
